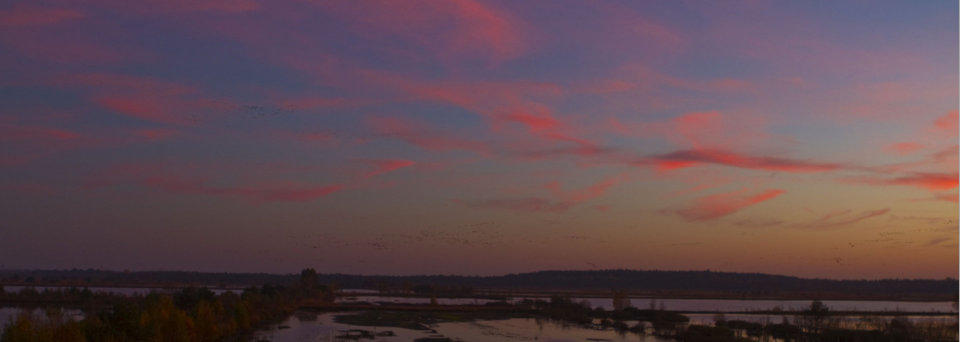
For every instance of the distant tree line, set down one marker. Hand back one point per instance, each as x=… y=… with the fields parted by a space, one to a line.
x=752 y=284
x=92 y=277
x=746 y=284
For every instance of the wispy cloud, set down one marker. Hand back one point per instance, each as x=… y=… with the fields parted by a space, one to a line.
x=841 y=218
x=25 y=14
x=688 y=158
x=382 y=166
x=719 y=205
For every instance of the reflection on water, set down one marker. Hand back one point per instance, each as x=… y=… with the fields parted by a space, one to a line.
x=413 y=300
x=308 y=326
x=687 y=305
x=529 y=329
x=359 y=291
x=694 y=305
x=844 y=321
x=734 y=305
x=321 y=327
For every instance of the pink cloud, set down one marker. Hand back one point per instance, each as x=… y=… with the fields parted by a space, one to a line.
x=9 y=132
x=451 y=29
x=587 y=193
x=152 y=108
x=696 y=126
x=503 y=102
x=905 y=147
x=505 y=105
x=670 y=165
x=949 y=197
x=842 y=218
x=688 y=158
x=382 y=166
x=833 y=214
x=931 y=181
x=947 y=122
x=148 y=98
x=26 y=143
x=31 y=15
x=548 y=147
x=947 y=154
x=564 y=200
x=534 y=122
x=713 y=130
x=68 y=48
x=943 y=160
x=926 y=180
x=705 y=183
x=723 y=204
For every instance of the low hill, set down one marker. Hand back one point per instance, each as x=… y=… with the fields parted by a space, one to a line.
x=674 y=283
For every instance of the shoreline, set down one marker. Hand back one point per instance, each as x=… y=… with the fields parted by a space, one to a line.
x=516 y=309
x=495 y=294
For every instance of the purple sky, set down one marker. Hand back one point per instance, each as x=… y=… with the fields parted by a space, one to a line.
x=803 y=138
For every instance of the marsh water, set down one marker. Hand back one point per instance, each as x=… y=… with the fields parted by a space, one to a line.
x=685 y=305
x=692 y=305
x=305 y=326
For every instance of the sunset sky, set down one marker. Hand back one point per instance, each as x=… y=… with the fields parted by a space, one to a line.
x=808 y=138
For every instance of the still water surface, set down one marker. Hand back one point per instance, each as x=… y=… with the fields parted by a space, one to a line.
x=305 y=326
x=694 y=305
x=689 y=305
x=321 y=327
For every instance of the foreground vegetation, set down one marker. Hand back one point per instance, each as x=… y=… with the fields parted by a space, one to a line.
x=191 y=314
x=816 y=323
x=198 y=314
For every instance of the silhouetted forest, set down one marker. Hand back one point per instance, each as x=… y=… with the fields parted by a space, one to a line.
x=672 y=282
